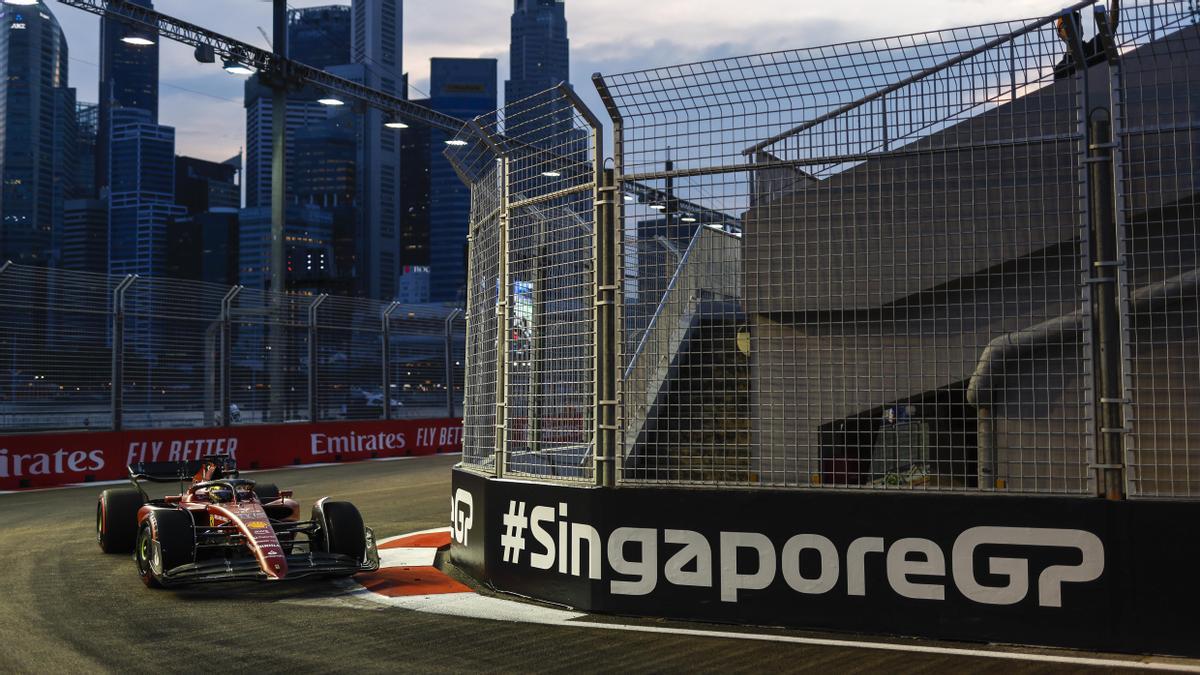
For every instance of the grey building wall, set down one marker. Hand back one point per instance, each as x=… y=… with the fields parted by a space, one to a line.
x=882 y=285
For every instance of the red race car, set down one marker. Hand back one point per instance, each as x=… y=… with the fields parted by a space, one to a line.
x=226 y=528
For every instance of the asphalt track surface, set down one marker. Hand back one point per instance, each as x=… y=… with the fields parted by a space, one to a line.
x=66 y=607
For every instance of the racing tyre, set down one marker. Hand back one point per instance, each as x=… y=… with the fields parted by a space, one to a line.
x=171 y=542
x=266 y=492
x=116 y=520
x=343 y=530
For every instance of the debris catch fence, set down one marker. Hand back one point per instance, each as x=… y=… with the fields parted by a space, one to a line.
x=959 y=260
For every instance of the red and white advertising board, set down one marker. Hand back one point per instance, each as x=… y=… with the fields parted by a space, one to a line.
x=47 y=460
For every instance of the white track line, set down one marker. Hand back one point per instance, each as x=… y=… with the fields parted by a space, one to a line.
x=888 y=646
x=473 y=605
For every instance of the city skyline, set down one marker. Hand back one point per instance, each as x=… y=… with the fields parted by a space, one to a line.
x=205 y=104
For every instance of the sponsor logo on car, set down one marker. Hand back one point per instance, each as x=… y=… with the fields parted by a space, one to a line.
x=257 y=524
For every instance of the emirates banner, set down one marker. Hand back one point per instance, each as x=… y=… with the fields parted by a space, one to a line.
x=48 y=460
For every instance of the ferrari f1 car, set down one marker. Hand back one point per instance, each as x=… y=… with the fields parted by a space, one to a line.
x=226 y=528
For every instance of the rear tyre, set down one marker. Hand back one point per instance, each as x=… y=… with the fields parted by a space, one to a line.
x=164 y=544
x=342 y=529
x=266 y=492
x=116 y=519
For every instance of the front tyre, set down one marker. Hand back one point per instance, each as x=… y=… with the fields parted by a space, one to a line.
x=116 y=519
x=342 y=529
x=165 y=540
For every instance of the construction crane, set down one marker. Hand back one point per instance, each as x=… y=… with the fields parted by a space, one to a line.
x=268 y=64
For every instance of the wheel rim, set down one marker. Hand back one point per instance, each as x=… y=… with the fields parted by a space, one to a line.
x=145 y=553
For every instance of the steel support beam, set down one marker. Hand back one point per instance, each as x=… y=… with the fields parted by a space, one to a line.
x=386 y=333
x=313 y=360
x=117 y=372
x=226 y=355
x=449 y=355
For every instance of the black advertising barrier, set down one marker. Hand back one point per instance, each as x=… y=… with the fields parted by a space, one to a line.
x=1069 y=572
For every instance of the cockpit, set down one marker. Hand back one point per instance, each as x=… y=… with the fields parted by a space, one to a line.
x=225 y=491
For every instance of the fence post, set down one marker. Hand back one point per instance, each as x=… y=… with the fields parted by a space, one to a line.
x=226 y=355
x=1106 y=266
x=1110 y=464
x=117 y=374
x=449 y=363
x=386 y=318
x=313 y=367
x=502 y=323
x=606 y=328
x=610 y=223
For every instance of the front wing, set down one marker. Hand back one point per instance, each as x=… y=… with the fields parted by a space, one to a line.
x=300 y=565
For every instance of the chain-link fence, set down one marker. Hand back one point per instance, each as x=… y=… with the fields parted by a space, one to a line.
x=954 y=260
x=1157 y=122
x=532 y=168
x=190 y=354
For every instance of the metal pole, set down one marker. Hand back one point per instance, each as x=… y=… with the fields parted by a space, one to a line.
x=606 y=328
x=387 y=359
x=226 y=395
x=278 y=210
x=610 y=466
x=117 y=374
x=313 y=380
x=450 y=360
x=502 y=324
x=1110 y=465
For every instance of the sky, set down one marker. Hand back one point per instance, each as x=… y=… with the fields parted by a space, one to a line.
x=204 y=104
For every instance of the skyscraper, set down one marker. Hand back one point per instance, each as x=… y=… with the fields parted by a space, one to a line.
x=128 y=79
x=320 y=36
x=414 y=196
x=326 y=175
x=302 y=110
x=378 y=47
x=308 y=252
x=87 y=123
x=142 y=199
x=37 y=111
x=464 y=88
x=539 y=53
x=201 y=185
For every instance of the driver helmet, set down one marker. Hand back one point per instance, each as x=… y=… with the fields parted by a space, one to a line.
x=220 y=494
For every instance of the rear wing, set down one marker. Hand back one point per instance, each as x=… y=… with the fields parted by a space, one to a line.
x=179 y=472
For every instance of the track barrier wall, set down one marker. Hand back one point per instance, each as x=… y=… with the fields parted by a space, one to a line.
x=54 y=459
x=1088 y=574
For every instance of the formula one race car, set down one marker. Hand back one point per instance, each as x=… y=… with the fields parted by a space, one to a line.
x=225 y=528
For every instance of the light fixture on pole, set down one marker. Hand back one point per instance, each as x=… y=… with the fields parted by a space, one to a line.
x=395 y=123
x=234 y=67
x=21 y=3
x=551 y=174
x=456 y=142
x=331 y=101
x=205 y=54
x=137 y=40
x=688 y=218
